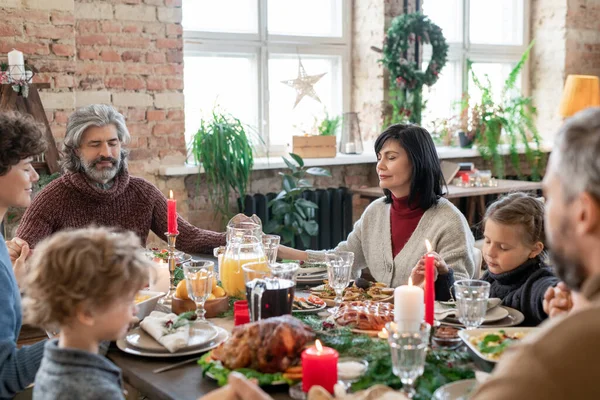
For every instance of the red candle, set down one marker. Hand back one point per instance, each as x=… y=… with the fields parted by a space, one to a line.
x=319 y=367
x=171 y=214
x=429 y=284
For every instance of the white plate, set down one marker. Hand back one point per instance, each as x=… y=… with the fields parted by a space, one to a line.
x=451 y=305
x=514 y=318
x=312 y=270
x=465 y=335
x=222 y=335
x=311 y=311
x=492 y=315
x=200 y=334
x=459 y=390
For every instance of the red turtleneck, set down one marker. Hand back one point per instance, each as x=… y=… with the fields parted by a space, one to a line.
x=404 y=221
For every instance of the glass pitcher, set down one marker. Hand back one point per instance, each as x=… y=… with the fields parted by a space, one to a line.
x=241 y=249
x=270 y=293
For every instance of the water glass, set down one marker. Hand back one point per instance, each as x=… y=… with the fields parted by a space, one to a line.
x=199 y=277
x=271 y=244
x=471 y=301
x=339 y=270
x=408 y=348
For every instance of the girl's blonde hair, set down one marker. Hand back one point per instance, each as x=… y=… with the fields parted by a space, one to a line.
x=519 y=209
x=92 y=266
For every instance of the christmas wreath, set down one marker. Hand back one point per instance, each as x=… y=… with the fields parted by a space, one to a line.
x=405 y=75
x=404 y=31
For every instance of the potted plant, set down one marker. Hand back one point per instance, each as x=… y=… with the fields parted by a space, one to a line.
x=486 y=119
x=223 y=147
x=292 y=216
x=321 y=145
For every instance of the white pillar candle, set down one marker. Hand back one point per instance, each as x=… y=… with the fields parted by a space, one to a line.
x=161 y=280
x=409 y=308
x=15 y=59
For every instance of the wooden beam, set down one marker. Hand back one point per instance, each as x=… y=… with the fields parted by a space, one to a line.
x=13 y=101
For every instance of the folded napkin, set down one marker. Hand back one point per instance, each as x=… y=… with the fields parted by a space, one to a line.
x=167 y=330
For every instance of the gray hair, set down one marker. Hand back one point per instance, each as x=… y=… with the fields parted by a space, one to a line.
x=576 y=155
x=93 y=115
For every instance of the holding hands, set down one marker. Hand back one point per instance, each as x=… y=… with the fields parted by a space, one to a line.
x=557 y=300
x=418 y=273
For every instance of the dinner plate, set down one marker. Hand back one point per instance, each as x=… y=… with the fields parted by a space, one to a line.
x=312 y=270
x=311 y=311
x=222 y=335
x=514 y=318
x=492 y=315
x=200 y=334
x=458 y=390
x=466 y=335
x=310 y=280
x=250 y=376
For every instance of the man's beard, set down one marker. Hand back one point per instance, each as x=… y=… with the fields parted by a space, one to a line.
x=104 y=174
x=568 y=268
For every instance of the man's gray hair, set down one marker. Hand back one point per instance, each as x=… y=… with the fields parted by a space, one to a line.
x=576 y=155
x=93 y=115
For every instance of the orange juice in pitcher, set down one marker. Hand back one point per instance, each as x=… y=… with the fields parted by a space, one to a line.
x=244 y=245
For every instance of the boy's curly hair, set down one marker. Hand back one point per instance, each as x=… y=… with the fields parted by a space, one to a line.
x=20 y=137
x=91 y=267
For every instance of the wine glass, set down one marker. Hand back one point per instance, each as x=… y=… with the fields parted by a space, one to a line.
x=199 y=277
x=408 y=348
x=471 y=301
x=338 y=273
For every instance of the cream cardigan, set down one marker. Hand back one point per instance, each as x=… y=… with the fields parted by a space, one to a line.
x=371 y=242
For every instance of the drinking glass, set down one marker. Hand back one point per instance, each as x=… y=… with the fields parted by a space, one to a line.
x=408 y=348
x=199 y=277
x=270 y=291
x=471 y=301
x=339 y=270
x=271 y=244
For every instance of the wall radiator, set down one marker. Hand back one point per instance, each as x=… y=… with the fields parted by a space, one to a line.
x=334 y=214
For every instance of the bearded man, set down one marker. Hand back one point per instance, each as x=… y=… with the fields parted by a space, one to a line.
x=97 y=189
x=561 y=360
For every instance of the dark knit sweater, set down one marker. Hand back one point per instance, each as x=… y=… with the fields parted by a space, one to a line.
x=132 y=203
x=523 y=288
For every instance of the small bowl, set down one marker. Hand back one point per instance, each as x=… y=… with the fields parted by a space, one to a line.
x=147 y=306
x=348 y=379
x=446 y=337
x=212 y=307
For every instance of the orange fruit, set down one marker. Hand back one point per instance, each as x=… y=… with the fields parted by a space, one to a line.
x=181 y=291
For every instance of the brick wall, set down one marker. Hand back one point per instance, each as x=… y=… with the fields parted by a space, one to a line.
x=128 y=53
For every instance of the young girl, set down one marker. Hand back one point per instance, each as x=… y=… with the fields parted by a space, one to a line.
x=514 y=253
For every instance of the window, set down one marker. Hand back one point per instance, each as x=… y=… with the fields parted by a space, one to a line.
x=237 y=60
x=491 y=34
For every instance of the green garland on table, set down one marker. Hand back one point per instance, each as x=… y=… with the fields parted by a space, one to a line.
x=441 y=367
x=405 y=76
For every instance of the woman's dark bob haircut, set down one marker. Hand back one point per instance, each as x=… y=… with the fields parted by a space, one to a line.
x=427 y=180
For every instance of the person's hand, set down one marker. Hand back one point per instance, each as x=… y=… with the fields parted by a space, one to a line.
x=557 y=300
x=418 y=273
x=19 y=265
x=238 y=388
x=15 y=247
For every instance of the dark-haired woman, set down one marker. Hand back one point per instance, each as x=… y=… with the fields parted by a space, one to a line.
x=389 y=238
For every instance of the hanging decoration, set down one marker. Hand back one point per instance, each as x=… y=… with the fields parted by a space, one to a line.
x=406 y=77
x=304 y=84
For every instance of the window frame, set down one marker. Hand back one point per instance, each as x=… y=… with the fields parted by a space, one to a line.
x=262 y=44
x=460 y=52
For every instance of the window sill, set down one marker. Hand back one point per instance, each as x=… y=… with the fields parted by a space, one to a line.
x=262 y=163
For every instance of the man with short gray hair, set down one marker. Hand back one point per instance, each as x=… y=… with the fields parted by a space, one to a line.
x=96 y=188
x=561 y=360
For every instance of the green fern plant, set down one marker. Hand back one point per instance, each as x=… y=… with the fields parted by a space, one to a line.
x=514 y=114
x=223 y=146
x=329 y=125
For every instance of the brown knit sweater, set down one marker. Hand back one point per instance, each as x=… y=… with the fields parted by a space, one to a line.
x=132 y=203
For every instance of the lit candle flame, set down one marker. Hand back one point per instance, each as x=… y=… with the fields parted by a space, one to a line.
x=429 y=246
x=171 y=194
x=383 y=334
x=318 y=346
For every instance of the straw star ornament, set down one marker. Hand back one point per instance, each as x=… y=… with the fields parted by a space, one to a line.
x=304 y=84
